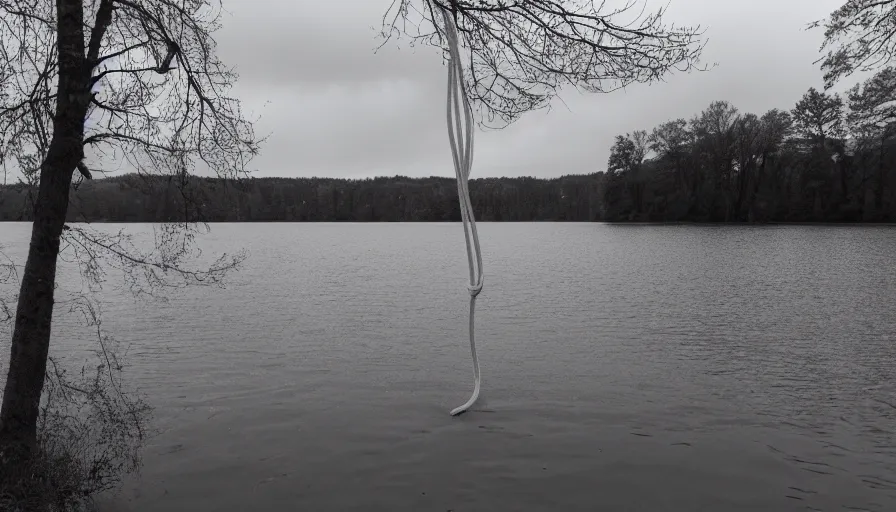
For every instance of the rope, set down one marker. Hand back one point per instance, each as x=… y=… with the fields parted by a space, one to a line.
x=460 y=135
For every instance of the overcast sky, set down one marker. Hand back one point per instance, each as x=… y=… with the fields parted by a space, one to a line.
x=333 y=107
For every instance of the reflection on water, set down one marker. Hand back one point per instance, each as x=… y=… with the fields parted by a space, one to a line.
x=624 y=368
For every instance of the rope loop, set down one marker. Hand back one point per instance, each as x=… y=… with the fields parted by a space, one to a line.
x=460 y=136
x=475 y=289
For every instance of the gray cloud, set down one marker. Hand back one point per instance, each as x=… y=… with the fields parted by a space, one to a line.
x=317 y=43
x=336 y=108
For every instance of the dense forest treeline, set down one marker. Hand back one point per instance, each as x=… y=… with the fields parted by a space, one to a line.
x=138 y=198
x=825 y=160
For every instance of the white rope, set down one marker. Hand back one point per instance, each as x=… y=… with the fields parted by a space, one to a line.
x=460 y=135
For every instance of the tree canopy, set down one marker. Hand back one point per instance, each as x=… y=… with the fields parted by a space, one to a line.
x=858 y=36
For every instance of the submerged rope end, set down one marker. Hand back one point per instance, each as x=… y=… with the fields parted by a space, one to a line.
x=466 y=407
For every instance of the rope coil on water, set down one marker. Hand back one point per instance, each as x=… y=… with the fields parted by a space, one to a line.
x=460 y=135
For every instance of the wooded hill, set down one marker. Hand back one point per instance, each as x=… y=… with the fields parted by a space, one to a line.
x=825 y=160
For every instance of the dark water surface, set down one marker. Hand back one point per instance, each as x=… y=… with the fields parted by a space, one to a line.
x=640 y=367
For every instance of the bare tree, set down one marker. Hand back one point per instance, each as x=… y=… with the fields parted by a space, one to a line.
x=818 y=116
x=858 y=37
x=871 y=119
x=88 y=83
x=747 y=151
x=672 y=140
x=521 y=52
x=873 y=102
x=777 y=126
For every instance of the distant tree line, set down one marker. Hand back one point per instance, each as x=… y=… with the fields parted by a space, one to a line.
x=828 y=159
x=825 y=160
x=138 y=198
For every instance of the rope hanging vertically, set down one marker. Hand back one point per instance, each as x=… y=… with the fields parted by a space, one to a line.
x=460 y=135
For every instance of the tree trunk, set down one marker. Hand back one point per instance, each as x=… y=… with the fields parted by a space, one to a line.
x=879 y=193
x=844 y=178
x=743 y=181
x=31 y=334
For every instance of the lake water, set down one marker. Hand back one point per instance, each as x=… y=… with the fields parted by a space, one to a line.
x=625 y=368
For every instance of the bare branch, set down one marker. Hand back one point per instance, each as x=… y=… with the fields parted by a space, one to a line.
x=12 y=8
x=84 y=171
x=103 y=20
x=121 y=52
x=859 y=37
x=146 y=271
x=520 y=53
